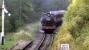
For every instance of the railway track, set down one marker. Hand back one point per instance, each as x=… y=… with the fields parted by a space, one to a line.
x=41 y=42
x=47 y=42
x=36 y=43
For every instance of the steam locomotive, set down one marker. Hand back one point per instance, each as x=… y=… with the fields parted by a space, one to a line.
x=50 y=21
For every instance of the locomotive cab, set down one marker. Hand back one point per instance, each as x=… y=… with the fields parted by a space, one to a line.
x=58 y=15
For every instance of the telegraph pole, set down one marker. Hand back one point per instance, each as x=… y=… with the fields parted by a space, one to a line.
x=4 y=10
x=3 y=17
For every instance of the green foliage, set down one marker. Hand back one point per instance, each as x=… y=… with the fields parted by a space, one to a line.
x=12 y=38
x=21 y=13
x=78 y=15
x=24 y=33
x=9 y=40
x=32 y=29
x=76 y=24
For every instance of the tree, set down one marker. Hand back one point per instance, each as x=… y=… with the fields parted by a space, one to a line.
x=21 y=13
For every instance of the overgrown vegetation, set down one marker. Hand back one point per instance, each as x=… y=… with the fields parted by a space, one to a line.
x=75 y=28
x=25 y=33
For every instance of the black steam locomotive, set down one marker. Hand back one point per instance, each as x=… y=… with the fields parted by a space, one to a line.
x=51 y=20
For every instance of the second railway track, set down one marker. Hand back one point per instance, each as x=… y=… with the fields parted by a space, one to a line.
x=37 y=42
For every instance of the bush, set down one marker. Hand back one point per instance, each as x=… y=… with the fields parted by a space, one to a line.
x=22 y=35
x=75 y=28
